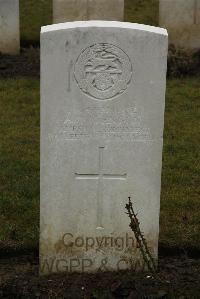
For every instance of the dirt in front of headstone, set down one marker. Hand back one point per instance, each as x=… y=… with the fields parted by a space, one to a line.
x=26 y=64
x=178 y=277
x=180 y=63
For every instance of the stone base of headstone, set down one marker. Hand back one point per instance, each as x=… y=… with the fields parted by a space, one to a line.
x=9 y=27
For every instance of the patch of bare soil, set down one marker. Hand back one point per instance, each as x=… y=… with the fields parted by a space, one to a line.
x=180 y=63
x=177 y=277
x=25 y=64
x=183 y=62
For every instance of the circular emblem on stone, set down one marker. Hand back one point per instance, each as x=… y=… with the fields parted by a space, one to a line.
x=103 y=71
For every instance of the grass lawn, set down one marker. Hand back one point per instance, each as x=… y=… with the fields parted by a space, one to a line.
x=33 y=15
x=19 y=162
x=19 y=150
x=142 y=11
x=180 y=205
x=19 y=158
x=37 y=13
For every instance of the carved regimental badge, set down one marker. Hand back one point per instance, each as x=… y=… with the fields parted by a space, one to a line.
x=103 y=71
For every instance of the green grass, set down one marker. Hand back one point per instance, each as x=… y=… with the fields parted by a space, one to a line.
x=33 y=15
x=142 y=11
x=19 y=162
x=37 y=13
x=180 y=213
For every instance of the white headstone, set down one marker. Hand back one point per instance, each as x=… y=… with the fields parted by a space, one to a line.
x=102 y=114
x=9 y=26
x=83 y=10
x=182 y=20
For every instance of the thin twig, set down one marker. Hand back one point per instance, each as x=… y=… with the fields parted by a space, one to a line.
x=135 y=226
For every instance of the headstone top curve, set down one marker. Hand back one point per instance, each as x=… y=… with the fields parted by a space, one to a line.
x=109 y=24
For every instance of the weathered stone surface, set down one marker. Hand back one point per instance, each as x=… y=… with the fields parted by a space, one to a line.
x=9 y=26
x=83 y=10
x=102 y=113
x=182 y=20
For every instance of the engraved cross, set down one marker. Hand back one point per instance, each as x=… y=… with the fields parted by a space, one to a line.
x=100 y=176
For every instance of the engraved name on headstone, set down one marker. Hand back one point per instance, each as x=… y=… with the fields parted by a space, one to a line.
x=102 y=115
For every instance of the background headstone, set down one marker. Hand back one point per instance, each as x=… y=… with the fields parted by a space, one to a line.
x=9 y=27
x=102 y=115
x=182 y=20
x=83 y=10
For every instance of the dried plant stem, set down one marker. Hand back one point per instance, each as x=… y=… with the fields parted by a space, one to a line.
x=135 y=226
